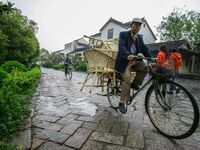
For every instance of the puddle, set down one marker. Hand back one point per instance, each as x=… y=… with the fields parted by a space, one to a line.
x=84 y=108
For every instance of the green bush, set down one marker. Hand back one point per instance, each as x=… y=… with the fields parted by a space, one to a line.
x=58 y=66
x=4 y=145
x=3 y=75
x=81 y=66
x=15 y=93
x=10 y=65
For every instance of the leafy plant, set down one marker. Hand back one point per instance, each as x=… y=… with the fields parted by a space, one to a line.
x=11 y=65
x=3 y=75
x=81 y=66
x=15 y=93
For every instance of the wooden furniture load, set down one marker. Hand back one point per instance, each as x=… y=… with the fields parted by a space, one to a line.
x=100 y=59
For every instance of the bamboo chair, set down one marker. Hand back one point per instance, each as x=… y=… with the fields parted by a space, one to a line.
x=100 y=66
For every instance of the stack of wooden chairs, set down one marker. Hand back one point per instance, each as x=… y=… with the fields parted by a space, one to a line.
x=100 y=58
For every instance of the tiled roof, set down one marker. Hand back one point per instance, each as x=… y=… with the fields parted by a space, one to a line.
x=115 y=21
x=171 y=45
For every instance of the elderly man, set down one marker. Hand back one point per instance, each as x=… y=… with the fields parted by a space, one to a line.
x=130 y=44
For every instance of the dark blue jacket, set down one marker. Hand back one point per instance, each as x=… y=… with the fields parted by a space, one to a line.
x=124 y=50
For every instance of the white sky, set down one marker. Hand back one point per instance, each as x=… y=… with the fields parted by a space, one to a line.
x=62 y=21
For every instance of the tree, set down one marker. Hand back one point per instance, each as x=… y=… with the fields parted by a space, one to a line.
x=6 y=8
x=17 y=38
x=181 y=24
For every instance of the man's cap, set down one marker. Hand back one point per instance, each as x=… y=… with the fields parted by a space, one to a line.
x=137 y=20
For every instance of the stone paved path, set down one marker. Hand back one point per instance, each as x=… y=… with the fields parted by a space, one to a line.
x=67 y=119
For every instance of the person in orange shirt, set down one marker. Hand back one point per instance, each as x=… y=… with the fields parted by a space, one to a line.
x=176 y=56
x=163 y=55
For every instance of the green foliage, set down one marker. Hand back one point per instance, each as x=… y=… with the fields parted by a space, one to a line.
x=15 y=93
x=13 y=65
x=3 y=75
x=49 y=60
x=17 y=38
x=181 y=24
x=4 y=145
x=58 y=66
x=6 y=8
x=81 y=66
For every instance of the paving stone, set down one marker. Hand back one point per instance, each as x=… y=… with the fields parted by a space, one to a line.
x=86 y=118
x=197 y=136
x=60 y=103
x=52 y=135
x=65 y=120
x=71 y=127
x=78 y=138
x=114 y=147
x=92 y=145
x=45 y=118
x=135 y=140
x=89 y=125
x=53 y=146
x=190 y=141
x=50 y=126
x=36 y=143
x=120 y=128
x=107 y=137
x=153 y=134
x=24 y=139
x=162 y=144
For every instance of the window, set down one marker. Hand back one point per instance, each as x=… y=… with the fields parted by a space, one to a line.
x=110 y=33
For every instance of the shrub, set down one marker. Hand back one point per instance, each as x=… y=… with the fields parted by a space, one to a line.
x=10 y=65
x=4 y=145
x=3 y=75
x=15 y=93
x=81 y=66
x=58 y=66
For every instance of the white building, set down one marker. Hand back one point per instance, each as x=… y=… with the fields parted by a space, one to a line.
x=112 y=28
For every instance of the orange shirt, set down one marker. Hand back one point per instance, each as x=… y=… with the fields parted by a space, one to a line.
x=177 y=60
x=161 y=59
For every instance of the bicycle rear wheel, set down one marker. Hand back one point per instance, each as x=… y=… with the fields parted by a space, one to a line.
x=68 y=74
x=113 y=92
x=174 y=114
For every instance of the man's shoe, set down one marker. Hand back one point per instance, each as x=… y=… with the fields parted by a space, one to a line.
x=136 y=87
x=122 y=108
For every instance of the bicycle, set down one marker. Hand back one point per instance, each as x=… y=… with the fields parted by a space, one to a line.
x=68 y=71
x=174 y=114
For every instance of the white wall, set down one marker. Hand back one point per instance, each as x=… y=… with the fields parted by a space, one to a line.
x=145 y=31
x=116 y=29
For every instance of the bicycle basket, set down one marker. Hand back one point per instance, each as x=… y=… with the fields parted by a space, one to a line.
x=163 y=71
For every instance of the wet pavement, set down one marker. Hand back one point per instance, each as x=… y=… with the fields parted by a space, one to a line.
x=66 y=119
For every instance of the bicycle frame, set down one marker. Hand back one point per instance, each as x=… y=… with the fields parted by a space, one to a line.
x=141 y=89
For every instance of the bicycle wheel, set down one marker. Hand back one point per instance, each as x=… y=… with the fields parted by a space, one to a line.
x=113 y=92
x=174 y=114
x=68 y=74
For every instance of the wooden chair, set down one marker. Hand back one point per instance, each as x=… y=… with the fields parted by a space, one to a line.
x=100 y=66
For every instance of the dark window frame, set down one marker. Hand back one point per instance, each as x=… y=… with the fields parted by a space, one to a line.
x=110 y=33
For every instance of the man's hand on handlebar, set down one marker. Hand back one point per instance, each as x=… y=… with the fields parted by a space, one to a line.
x=131 y=57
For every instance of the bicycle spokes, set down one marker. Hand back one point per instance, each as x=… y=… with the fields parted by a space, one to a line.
x=174 y=114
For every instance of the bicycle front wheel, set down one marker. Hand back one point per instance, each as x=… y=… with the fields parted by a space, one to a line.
x=172 y=109
x=68 y=74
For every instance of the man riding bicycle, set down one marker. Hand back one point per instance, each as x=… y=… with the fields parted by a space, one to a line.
x=67 y=64
x=130 y=44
